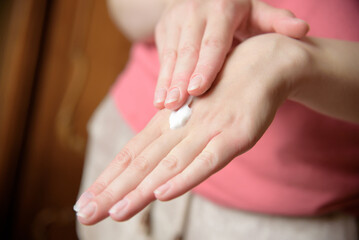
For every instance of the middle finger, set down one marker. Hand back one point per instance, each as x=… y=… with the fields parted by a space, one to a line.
x=188 y=51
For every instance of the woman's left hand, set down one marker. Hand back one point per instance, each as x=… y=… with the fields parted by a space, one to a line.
x=261 y=73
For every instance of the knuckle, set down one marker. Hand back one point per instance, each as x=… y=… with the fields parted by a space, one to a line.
x=140 y=164
x=123 y=158
x=229 y=8
x=169 y=54
x=98 y=186
x=179 y=80
x=208 y=160
x=170 y=162
x=108 y=196
x=188 y=49
x=214 y=42
x=222 y=5
x=192 y=6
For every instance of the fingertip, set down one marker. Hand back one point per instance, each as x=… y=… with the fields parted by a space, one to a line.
x=304 y=28
x=198 y=91
x=159 y=105
x=163 y=192
x=159 y=98
x=119 y=211
x=175 y=98
x=171 y=190
x=292 y=27
x=195 y=83
x=84 y=199
x=173 y=105
x=88 y=215
x=198 y=85
x=300 y=26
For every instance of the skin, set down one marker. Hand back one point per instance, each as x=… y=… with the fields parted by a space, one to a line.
x=228 y=120
x=192 y=49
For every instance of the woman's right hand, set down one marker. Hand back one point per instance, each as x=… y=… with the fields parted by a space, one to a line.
x=193 y=38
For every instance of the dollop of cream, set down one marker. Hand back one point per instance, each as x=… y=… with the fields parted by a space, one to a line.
x=180 y=117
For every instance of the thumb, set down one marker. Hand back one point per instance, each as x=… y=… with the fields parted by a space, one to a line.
x=265 y=19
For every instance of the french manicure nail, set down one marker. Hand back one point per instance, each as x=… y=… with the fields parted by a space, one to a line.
x=160 y=95
x=162 y=189
x=195 y=83
x=117 y=209
x=173 y=95
x=83 y=200
x=88 y=210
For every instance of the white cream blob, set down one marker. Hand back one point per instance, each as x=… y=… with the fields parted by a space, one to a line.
x=180 y=117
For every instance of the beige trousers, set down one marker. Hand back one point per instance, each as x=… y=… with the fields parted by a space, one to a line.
x=191 y=217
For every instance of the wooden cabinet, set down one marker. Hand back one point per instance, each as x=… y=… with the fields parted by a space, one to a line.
x=58 y=60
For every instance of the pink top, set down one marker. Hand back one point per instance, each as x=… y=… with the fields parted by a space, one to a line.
x=305 y=164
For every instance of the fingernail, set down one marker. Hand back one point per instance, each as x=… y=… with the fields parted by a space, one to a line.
x=162 y=189
x=88 y=210
x=294 y=20
x=298 y=20
x=173 y=95
x=83 y=200
x=195 y=83
x=160 y=95
x=117 y=209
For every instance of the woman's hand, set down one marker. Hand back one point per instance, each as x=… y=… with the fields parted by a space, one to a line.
x=194 y=36
x=226 y=121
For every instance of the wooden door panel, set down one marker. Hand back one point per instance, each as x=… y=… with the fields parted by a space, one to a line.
x=81 y=54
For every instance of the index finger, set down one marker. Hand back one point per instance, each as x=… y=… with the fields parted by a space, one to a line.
x=118 y=164
x=216 y=42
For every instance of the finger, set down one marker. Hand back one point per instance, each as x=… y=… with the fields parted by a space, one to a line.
x=160 y=33
x=121 y=161
x=219 y=151
x=215 y=45
x=168 y=56
x=188 y=50
x=177 y=160
x=97 y=208
x=266 y=18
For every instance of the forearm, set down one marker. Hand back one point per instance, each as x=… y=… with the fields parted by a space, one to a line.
x=136 y=18
x=331 y=86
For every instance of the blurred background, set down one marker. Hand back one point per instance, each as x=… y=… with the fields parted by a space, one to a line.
x=58 y=60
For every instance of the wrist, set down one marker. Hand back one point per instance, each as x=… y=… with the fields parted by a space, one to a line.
x=301 y=67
